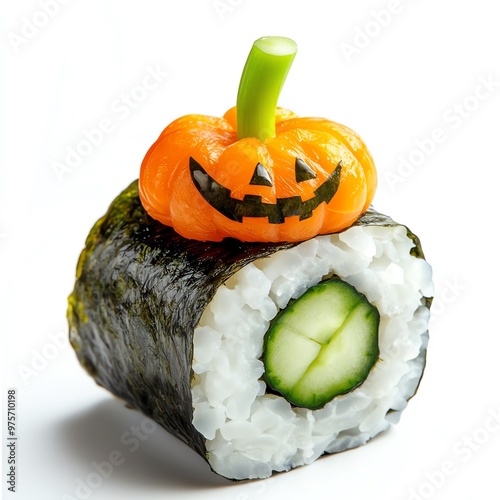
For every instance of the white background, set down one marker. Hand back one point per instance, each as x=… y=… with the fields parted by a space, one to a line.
x=417 y=70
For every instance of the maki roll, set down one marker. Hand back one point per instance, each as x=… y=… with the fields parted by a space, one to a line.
x=264 y=322
x=236 y=348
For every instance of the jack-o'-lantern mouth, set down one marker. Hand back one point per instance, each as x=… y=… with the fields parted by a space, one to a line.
x=219 y=197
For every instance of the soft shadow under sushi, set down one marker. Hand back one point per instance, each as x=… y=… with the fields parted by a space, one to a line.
x=159 y=460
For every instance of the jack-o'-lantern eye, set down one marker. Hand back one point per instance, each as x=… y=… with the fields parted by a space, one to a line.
x=302 y=171
x=261 y=176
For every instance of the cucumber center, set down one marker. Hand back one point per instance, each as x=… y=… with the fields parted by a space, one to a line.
x=322 y=345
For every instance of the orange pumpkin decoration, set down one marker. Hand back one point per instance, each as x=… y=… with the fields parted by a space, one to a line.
x=289 y=181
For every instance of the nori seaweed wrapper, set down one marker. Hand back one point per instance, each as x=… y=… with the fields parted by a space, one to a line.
x=139 y=294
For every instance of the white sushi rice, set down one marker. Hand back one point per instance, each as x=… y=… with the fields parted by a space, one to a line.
x=250 y=434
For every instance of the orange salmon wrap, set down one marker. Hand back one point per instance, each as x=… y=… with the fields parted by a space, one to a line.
x=260 y=173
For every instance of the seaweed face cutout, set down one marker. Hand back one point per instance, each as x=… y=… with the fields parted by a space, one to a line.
x=220 y=197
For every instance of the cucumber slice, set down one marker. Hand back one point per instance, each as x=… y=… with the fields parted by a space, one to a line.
x=322 y=345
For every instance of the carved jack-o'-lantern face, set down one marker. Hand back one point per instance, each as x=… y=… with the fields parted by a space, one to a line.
x=313 y=177
x=219 y=196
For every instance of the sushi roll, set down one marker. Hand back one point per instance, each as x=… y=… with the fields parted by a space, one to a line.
x=246 y=296
x=207 y=338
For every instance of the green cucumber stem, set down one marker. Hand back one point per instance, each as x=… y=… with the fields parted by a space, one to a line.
x=261 y=82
